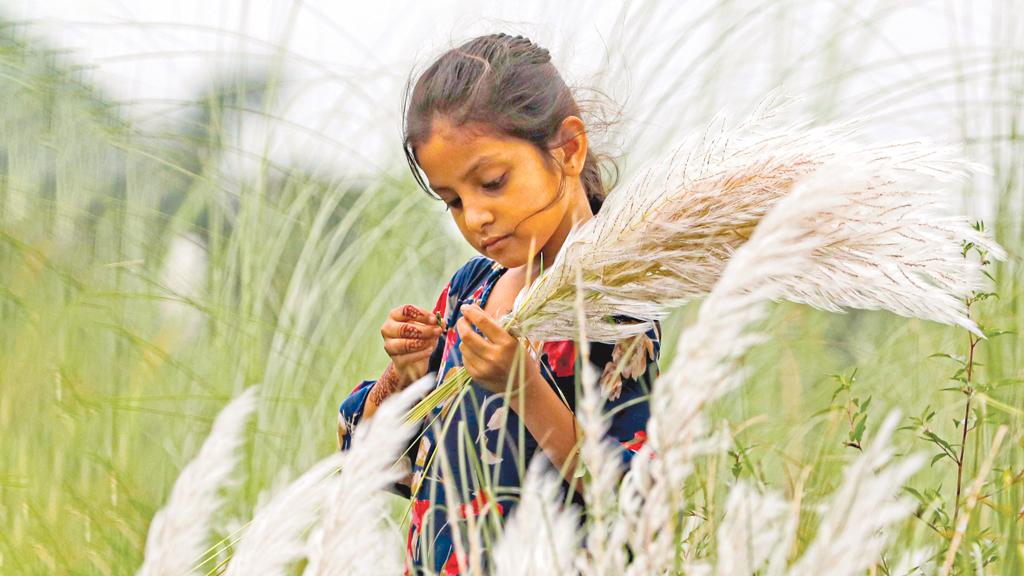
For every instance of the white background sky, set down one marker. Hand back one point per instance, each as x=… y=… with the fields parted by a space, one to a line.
x=345 y=63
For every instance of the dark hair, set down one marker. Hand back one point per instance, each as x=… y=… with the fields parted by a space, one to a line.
x=504 y=83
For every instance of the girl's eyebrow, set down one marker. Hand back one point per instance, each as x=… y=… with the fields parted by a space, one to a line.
x=480 y=161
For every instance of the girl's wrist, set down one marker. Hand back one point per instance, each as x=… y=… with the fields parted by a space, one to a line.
x=388 y=383
x=550 y=421
x=532 y=391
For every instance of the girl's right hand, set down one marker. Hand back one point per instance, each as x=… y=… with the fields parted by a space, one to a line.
x=410 y=334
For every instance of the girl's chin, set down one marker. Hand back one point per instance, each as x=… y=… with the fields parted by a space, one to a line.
x=507 y=258
x=505 y=261
x=512 y=260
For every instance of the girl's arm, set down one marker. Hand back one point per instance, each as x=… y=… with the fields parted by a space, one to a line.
x=629 y=368
x=551 y=423
x=489 y=357
x=361 y=404
x=368 y=395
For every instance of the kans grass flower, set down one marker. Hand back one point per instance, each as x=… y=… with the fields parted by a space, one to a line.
x=178 y=532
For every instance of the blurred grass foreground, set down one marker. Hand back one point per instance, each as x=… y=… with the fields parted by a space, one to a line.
x=141 y=288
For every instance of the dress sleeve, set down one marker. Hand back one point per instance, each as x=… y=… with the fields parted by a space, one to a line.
x=629 y=369
x=351 y=410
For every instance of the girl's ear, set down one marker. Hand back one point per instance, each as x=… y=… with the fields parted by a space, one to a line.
x=570 y=145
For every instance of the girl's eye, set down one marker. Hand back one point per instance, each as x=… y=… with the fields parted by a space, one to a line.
x=492 y=185
x=495 y=184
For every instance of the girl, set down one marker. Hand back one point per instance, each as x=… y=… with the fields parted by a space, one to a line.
x=499 y=136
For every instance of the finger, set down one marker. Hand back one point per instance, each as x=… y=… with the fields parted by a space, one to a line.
x=393 y=329
x=411 y=312
x=470 y=356
x=403 y=346
x=470 y=338
x=414 y=330
x=485 y=322
x=417 y=355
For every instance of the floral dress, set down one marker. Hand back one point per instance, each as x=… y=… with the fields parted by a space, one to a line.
x=486 y=448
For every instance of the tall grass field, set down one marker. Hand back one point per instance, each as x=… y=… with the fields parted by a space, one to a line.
x=152 y=271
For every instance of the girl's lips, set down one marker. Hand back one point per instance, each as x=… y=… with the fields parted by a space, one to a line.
x=495 y=243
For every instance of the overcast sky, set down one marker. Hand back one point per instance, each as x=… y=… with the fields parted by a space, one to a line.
x=344 y=63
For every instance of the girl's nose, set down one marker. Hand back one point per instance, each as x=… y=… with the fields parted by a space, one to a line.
x=477 y=216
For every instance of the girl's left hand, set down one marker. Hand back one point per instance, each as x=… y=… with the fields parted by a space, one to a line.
x=490 y=360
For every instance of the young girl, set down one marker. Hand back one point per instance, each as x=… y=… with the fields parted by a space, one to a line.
x=499 y=136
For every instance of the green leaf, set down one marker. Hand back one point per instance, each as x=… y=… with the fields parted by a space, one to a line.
x=958 y=359
x=913 y=492
x=858 y=432
x=941 y=443
x=864 y=406
x=836 y=393
x=824 y=411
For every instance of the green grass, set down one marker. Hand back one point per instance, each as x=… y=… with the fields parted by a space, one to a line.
x=103 y=398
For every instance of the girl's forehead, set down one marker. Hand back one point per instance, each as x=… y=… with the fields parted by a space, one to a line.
x=450 y=153
x=464 y=137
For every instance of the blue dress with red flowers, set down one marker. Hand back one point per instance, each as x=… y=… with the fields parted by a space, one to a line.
x=485 y=446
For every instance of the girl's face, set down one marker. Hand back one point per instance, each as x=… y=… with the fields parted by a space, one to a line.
x=503 y=196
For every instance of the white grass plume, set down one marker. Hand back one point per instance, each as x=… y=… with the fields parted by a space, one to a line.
x=540 y=537
x=756 y=527
x=761 y=528
x=705 y=367
x=178 y=533
x=350 y=538
x=274 y=539
x=466 y=561
x=666 y=236
x=916 y=562
x=601 y=459
x=893 y=247
x=853 y=529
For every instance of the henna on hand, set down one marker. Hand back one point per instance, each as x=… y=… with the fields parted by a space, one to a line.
x=387 y=385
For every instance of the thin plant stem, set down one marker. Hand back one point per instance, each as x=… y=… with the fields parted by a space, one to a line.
x=972 y=500
x=967 y=414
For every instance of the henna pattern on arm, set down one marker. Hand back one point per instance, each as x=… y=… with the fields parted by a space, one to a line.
x=386 y=386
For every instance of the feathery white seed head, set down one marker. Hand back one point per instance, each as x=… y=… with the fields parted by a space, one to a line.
x=540 y=537
x=351 y=529
x=178 y=533
x=854 y=528
x=665 y=237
